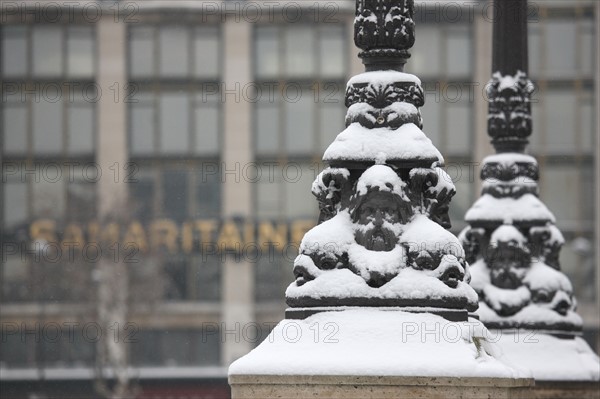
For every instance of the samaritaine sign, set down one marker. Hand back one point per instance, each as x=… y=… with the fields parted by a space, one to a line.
x=209 y=236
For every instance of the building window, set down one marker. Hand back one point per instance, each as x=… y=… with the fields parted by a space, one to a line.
x=48 y=51
x=300 y=51
x=15 y=124
x=176 y=347
x=563 y=120
x=562 y=48
x=175 y=123
x=56 y=119
x=14 y=42
x=153 y=49
x=302 y=71
x=174 y=127
x=442 y=52
x=273 y=275
x=70 y=350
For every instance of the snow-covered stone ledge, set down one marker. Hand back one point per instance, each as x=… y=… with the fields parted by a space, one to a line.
x=361 y=387
x=377 y=353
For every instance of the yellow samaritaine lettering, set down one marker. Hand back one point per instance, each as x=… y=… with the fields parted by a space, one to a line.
x=136 y=235
x=164 y=232
x=299 y=228
x=187 y=237
x=230 y=237
x=109 y=235
x=249 y=232
x=43 y=229
x=268 y=235
x=93 y=230
x=73 y=237
x=206 y=229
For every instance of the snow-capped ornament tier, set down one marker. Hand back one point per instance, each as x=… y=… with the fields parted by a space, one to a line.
x=381 y=239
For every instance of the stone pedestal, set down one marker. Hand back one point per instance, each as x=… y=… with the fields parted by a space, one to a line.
x=377 y=353
x=364 y=387
x=566 y=389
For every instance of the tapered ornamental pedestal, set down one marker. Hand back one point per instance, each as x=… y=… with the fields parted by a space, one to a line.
x=380 y=303
x=377 y=353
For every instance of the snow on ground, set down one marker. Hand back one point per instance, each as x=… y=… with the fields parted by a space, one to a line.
x=377 y=342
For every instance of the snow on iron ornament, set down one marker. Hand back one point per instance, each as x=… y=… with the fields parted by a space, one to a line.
x=382 y=239
x=511 y=241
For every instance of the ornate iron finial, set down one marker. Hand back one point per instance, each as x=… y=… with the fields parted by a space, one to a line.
x=509 y=91
x=509 y=120
x=384 y=30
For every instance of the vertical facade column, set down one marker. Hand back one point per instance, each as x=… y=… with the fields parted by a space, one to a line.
x=111 y=156
x=111 y=149
x=238 y=274
x=596 y=158
x=483 y=66
x=356 y=66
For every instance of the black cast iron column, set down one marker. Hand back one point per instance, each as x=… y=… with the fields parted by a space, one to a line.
x=509 y=123
x=510 y=37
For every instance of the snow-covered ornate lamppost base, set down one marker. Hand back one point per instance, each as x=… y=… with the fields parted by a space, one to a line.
x=512 y=243
x=372 y=353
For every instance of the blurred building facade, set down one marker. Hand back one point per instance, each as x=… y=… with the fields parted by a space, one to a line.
x=212 y=117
